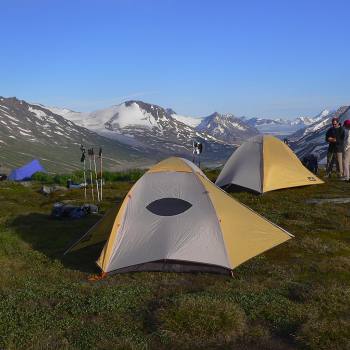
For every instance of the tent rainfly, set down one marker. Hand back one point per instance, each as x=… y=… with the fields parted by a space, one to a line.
x=175 y=219
x=262 y=164
x=26 y=171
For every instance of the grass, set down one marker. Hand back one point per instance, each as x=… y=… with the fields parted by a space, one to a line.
x=295 y=296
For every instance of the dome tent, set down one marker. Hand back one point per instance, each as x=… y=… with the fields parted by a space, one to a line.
x=264 y=163
x=26 y=171
x=175 y=219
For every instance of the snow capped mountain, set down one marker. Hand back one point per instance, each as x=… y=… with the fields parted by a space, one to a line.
x=139 y=133
x=279 y=126
x=312 y=138
x=152 y=129
x=30 y=131
x=227 y=128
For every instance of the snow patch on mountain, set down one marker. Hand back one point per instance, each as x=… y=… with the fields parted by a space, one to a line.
x=190 y=121
x=40 y=114
x=128 y=115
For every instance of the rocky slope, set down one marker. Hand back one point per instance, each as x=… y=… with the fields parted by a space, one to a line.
x=30 y=131
x=226 y=128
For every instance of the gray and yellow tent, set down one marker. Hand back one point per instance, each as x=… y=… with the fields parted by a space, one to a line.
x=262 y=164
x=175 y=219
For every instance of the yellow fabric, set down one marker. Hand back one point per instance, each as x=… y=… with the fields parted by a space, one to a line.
x=98 y=233
x=107 y=251
x=245 y=233
x=282 y=168
x=171 y=164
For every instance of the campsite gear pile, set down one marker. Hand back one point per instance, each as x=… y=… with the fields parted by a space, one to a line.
x=62 y=210
x=175 y=219
x=51 y=189
x=262 y=164
x=72 y=185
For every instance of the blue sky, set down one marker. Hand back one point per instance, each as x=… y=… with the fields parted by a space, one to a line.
x=254 y=58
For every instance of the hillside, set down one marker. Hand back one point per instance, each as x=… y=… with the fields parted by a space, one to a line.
x=30 y=131
x=296 y=296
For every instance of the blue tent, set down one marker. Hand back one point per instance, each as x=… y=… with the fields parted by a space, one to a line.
x=26 y=171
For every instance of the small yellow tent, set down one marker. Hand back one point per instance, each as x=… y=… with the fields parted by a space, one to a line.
x=175 y=219
x=265 y=163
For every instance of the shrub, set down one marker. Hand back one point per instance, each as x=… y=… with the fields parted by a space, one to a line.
x=78 y=177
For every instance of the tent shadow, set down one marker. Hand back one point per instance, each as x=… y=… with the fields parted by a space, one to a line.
x=238 y=189
x=53 y=237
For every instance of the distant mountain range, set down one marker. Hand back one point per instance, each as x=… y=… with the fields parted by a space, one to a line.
x=153 y=130
x=283 y=127
x=136 y=134
x=132 y=134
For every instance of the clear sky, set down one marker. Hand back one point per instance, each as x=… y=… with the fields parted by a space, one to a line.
x=265 y=58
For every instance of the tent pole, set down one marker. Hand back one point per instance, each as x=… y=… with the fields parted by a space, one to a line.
x=82 y=159
x=91 y=181
x=98 y=192
x=85 y=184
x=101 y=172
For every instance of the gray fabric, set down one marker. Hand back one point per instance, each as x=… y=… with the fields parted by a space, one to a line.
x=244 y=168
x=193 y=235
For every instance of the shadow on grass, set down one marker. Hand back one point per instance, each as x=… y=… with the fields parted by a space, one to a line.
x=53 y=237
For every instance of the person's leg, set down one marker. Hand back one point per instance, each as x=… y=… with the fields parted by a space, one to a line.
x=329 y=163
x=340 y=163
x=346 y=163
x=328 y=171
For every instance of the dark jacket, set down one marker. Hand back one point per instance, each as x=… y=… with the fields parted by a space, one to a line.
x=339 y=135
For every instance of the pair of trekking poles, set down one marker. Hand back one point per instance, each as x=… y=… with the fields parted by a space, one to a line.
x=92 y=170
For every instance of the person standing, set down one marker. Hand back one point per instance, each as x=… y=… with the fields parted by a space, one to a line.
x=335 y=138
x=346 y=152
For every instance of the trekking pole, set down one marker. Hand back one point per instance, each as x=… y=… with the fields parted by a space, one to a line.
x=98 y=192
x=82 y=159
x=92 y=184
x=100 y=154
